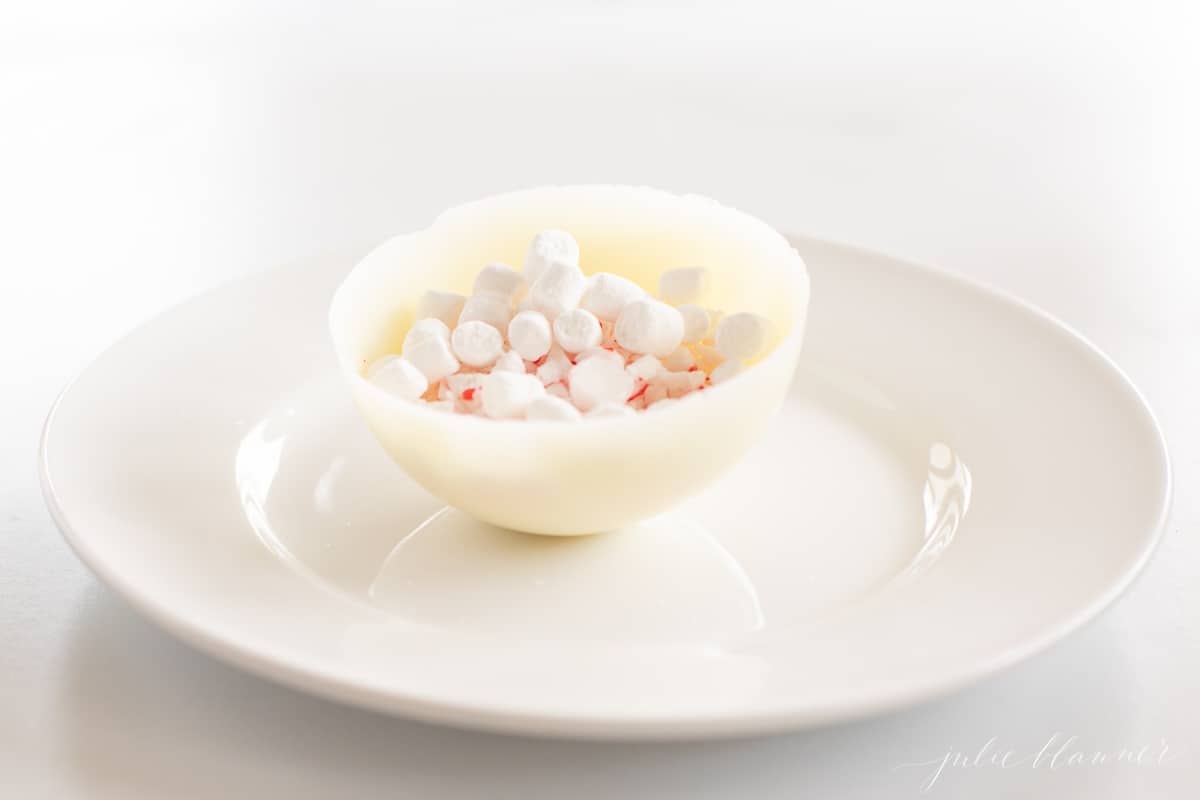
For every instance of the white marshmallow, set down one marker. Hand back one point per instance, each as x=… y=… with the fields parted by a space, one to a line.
x=476 y=343
x=607 y=294
x=576 y=330
x=555 y=367
x=679 y=359
x=494 y=309
x=684 y=285
x=551 y=407
x=696 y=323
x=509 y=361
x=506 y=395
x=529 y=334
x=546 y=248
x=557 y=289
x=654 y=392
x=398 y=376
x=707 y=357
x=432 y=356
x=597 y=381
x=444 y=405
x=498 y=279
x=742 y=335
x=606 y=332
x=423 y=330
x=715 y=315
x=612 y=410
x=457 y=384
x=459 y=390
x=649 y=326
x=445 y=306
x=560 y=391
x=726 y=371
x=600 y=352
x=665 y=402
x=645 y=368
x=680 y=383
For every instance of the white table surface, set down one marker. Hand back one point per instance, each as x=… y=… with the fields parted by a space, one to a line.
x=148 y=152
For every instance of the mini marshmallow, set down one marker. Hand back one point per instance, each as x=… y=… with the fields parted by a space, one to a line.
x=560 y=391
x=444 y=306
x=607 y=294
x=649 y=326
x=665 y=402
x=598 y=381
x=679 y=360
x=726 y=371
x=457 y=384
x=506 y=395
x=684 y=285
x=612 y=410
x=707 y=356
x=444 y=405
x=529 y=334
x=552 y=372
x=432 y=356
x=600 y=352
x=464 y=390
x=715 y=315
x=550 y=407
x=645 y=368
x=680 y=383
x=654 y=393
x=546 y=248
x=398 y=376
x=555 y=367
x=498 y=279
x=742 y=336
x=577 y=330
x=606 y=332
x=477 y=344
x=557 y=289
x=494 y=309
x=509 y=361
x=696 y=322
x=423 y=330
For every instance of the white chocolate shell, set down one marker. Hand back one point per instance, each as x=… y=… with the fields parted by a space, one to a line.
x=599 y=474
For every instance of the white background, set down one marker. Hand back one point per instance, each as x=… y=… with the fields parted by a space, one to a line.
x=148 y=151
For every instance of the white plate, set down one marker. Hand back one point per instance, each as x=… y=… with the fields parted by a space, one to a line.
x=956 y=481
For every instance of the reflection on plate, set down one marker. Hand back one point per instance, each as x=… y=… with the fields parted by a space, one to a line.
x=318 y=496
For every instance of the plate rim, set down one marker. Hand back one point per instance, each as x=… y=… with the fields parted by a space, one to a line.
x=678 y=725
